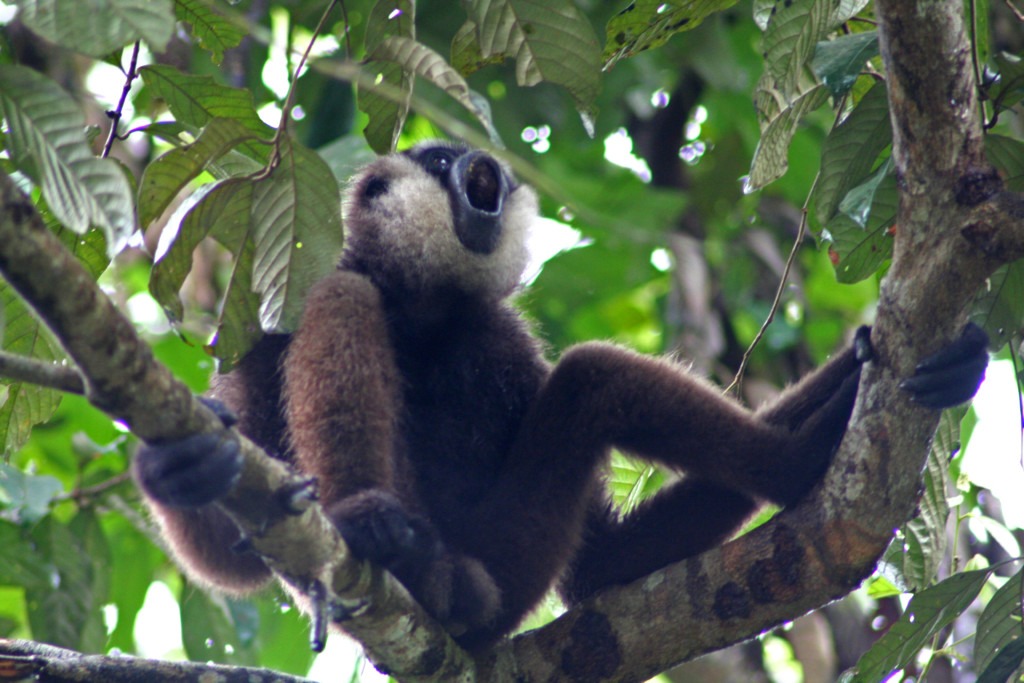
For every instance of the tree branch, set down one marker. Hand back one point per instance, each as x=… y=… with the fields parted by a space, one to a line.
x=21 y=369
x=25 y=660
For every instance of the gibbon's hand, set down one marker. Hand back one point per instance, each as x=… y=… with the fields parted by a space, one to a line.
x=378 y=528
x=952 y=375
x=193 y=471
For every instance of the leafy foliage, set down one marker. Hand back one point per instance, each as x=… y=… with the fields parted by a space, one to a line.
x=231 y=158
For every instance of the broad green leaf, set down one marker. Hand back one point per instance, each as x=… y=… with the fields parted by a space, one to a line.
x=1000 y=625
x=466 y=55
x=924 y=537
x=196 y=100
x=1004 y=664
x=857 y=203
x=165 y=177
x=99 y=27
x=284 y=231
x=211 y=30
x=846 y=10
x=24 y=405
x=550 y=42
x=65 y=611
x=209 y=630
x=1007 y=155
x=999 y=307
x=646 y=24
x=839 y=62
x=850 y=151
x=780 y=118
x=929 y=611
x=22 y=565
x=209 y=206
x=297 y=231
x=1009 y=89
x=857 y=252
x=47 y=143
x=388 y=19
x=790 y=40
x=26 y=497
x=419 y=59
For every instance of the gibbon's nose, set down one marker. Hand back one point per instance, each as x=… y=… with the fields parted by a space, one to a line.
x=479 y=189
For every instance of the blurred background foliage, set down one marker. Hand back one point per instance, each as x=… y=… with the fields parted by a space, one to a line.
x=675 y=146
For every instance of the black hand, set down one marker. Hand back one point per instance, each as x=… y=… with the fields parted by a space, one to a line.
x=951 y=376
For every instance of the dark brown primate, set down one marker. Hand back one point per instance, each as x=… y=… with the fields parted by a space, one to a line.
x=449 y=451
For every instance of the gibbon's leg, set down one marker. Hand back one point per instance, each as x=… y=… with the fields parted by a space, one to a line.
x=341 y=391
x=699 y=513
x=682 y=520
x=599 y=396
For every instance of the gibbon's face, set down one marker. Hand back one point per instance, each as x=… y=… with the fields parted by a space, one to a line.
x=439 y=216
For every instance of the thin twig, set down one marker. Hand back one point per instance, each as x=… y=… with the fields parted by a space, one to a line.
x=738 y=379
x=1013 y=8
x=21 y=369
x=95 y=490
x=115 y=114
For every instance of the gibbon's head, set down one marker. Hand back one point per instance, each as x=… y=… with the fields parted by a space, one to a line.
x=438 y=217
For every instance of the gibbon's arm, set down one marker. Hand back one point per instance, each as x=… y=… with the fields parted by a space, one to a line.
x=341 y=392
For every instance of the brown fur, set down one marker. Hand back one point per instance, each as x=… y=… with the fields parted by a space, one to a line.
x=449 y=450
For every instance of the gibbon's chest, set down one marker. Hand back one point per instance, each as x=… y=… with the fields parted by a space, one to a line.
x=465 y=392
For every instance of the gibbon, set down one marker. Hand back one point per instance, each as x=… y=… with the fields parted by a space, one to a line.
x=448 y=450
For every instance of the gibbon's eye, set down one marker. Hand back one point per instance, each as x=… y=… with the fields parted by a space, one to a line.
x=438 y=161
x=375 y=187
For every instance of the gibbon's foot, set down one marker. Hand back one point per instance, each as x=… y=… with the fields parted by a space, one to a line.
x=193 y=471
x=377 y=528
x=951 y=376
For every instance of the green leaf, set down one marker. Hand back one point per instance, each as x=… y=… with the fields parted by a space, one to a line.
x=22 y=564
x=1000 y=627
x=857 y=203
x=419 y=59
x=924 y=537
x=209 y=630
x=839 y=62
x=1009 y=89
x=211 y=30
x=1007 y=155
x=780 y=118
x=47 y=143
x=646 y=24
x=285 y=233
x=850 y=151
x=26 y=497
x=999 y=307
x=1004 y=664
x=550 y=42
x=790 y=41
x=165 y=177
x=65 y=611
x=100 y=27
x=197 y=100
x=388 y=19
x=929 y=611
x=466 y=55
x=857 y=252
x=297 y=222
